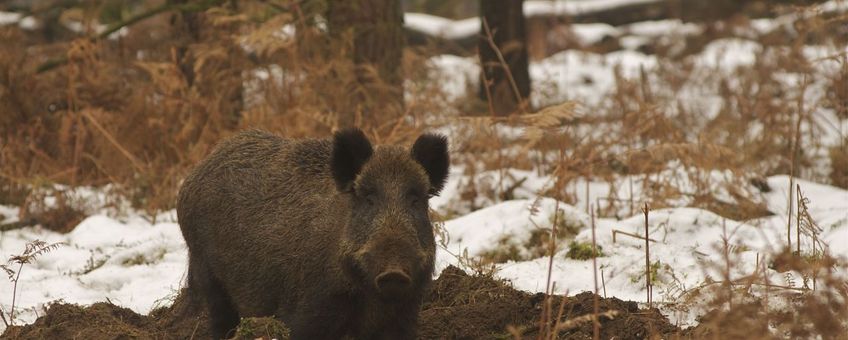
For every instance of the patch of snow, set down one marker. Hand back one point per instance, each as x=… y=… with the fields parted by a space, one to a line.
x=442 y=27
x=28 y=23
x=633 y=42
x=727 y=54
x=574 y=7
x=589 y=34
x=11 y=18
x=455 y=74
x=133 y=263
x=78 y=27
x=8 y=18
x=688 y=243
x=662 y=28
x=764 y=25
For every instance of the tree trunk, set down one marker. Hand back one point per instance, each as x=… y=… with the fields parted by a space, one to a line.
x=376 y=27
x=505 y=80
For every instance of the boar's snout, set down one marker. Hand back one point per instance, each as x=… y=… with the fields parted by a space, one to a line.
x=393 y=283
x=390 y=264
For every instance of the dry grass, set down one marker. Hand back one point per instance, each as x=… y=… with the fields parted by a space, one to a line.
x=679 y=151
x=140 y=110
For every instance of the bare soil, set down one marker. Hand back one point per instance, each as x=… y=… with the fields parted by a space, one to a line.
x=458 y=306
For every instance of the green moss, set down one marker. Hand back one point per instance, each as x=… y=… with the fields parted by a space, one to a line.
x=261 y=328
x=538 y=244
x=565 y=227
x=503 y=252
x=655 y=270
x=140 y=259
x=583 y=251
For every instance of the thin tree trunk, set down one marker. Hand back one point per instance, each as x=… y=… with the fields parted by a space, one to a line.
x=378 y=41
x=505 y=79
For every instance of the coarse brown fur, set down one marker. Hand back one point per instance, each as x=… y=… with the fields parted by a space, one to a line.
x=330 y=236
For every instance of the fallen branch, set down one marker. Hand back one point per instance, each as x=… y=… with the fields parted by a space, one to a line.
x=616 y=231
x=167 y=7
x=17 y=224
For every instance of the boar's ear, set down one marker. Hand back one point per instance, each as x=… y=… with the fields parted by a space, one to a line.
x=431 y=151
x=351 y=149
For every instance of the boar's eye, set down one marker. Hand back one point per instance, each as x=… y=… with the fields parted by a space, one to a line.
x=369 y=196
x=414 y=197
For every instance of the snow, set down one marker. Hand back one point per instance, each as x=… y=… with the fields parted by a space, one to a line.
x=132 y=263
x=657 y=28
x=137 y=264
x=557 y=8
x=588 y=76
x=727 y=54
x=442 y=27
x=512 y=221
x=10 y=18
x=7 y=18
x=436 y=26
x=455 y=74
x=687 y=240
x=589 y=34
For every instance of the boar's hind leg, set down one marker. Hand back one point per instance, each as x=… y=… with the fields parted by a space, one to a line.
x=223 y=317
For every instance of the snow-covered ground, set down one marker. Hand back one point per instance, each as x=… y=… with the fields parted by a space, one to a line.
x=140 y=265
x=688 y=242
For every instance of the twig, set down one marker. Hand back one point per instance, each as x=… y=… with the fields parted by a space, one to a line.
x=789 y=207
x=552 y=247
x=486 y=83
x=559 y=315
x=645 y=210
x=610 y=314
x=603 y=283
x=796 y=146
x=726 y=250
x=491 y=41
x=3 y=317
x=544 y=320
x=616 y=231
x=508 y=192
x=766 y=295
x=15 y=293
x=596 y=329
x=18 y=224
x=114 y=142
x=630 y=184
x=798 y=217
x=193 y=332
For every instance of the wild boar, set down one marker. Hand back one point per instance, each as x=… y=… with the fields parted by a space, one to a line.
x=333 y=236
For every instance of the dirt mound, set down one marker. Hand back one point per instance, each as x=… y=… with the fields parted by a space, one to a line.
x=65 y=321
x=459 y=306
x=104 y=320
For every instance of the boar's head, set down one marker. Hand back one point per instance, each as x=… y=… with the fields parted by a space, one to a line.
x=388 y=246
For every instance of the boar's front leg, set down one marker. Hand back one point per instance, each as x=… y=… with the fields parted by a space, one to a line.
x=202 y=286
x=320 y=318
